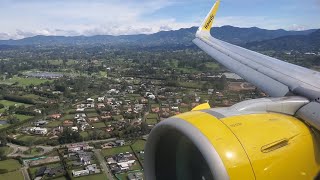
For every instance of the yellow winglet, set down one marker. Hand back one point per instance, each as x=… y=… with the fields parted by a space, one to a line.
x=207 y=23
x=201 y=107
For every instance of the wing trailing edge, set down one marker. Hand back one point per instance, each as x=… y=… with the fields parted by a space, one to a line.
x=275 y=77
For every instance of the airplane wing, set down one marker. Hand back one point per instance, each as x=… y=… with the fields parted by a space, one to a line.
x=275 y=77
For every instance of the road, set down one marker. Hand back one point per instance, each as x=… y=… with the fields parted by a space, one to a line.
x=103 y=164
x=18 y=150
x=25 y=173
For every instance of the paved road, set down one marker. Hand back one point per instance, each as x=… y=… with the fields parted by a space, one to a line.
x=91 y=141
x=25 y=173
x=103 y=164
x=18 y=150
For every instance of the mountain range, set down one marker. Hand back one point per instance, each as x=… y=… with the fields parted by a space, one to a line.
x=310 y=42
x=254 y=38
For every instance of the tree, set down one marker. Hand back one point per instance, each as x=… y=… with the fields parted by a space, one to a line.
x=69 y=136
x=13 y=120
x=3 y=139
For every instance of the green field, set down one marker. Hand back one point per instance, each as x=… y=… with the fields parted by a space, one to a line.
x=12 y=103
x=118 y=118
x=15 y=175
x=92 y=114
x=184 y=109
x=23 y=117
x=99 y=125
x=54 y=124
x=18 y=116
x=34 y=139
x=152 y=116
x=24 y=81
x=123 y=176
x=61 y=178
x=103 y=74
x=135 y=166
x=138 y=145
x=4 y=126
x=68 y=117
x=84 y=134
x=152 y=121
x=10 y=164
x=33 y=151
x=114 y=151
x=6 y=149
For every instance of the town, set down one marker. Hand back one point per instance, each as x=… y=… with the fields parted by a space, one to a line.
x=89 y=113
x=73 y=119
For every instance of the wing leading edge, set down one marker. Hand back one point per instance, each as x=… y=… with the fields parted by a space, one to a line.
x=273 y=76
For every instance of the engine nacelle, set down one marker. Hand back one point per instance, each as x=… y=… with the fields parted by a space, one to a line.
x=207 y=145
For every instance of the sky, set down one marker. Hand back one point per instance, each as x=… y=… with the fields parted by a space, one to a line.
x=26 y=18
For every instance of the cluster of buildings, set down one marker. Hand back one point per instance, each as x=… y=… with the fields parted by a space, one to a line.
x=78 y=147
x=135 y=176
x=49 y=172
x=121 y=162
x=38 y=130
x=90 y=169
x=82 y=156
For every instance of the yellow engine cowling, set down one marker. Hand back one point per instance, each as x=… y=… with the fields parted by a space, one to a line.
x=197 y=145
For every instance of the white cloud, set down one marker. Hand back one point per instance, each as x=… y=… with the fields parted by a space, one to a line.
x=81 y=17
x=25 y=18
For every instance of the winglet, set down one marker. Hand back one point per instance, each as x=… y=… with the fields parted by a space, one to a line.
x=207 y=23
x=201 y=107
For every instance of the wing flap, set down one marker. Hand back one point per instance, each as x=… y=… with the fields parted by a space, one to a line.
x=265 y=83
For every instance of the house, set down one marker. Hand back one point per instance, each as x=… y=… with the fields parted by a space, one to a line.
x=122 y=161
x=56 y=92
x=90 y=105
x=120 y=142
x=155 y=110
x=81 y=115
x=67 y=123
x=135 y=176
x=93 y=169
x=75 y=129
x=51 y=172
x=151 y=96
x=37 y=111
x=85 y=157
x=210 y=91
x=90 y=100
x=39 y=131
x=113 y=91
x=100 y=105
x=111 y=161
x=55 y=116
x=93 y=119
x=78 y=147
x=80 y=173
x=100 y=99
x=175 y=108
x=41 y=171
x=115 y=169
x=108 y=145
x=40 y=123
x=80 y=109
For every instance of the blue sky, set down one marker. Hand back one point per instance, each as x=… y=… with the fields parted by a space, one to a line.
x=25 y=18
